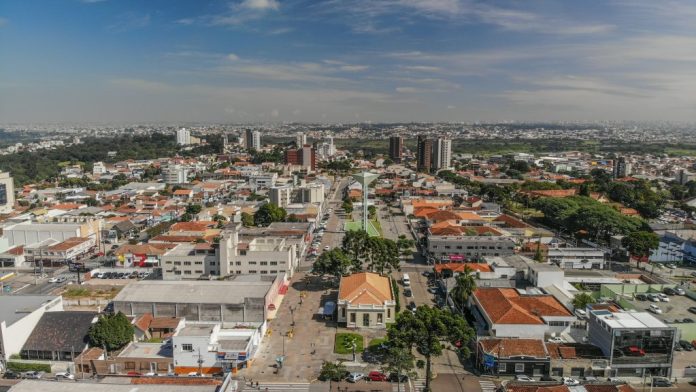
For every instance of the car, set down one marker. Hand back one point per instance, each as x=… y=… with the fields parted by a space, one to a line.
x=634 y=351
x=376 y=376
x=99 y=275
x=663 y=297
x=396 y=377
x=653 y=298
x=33 y=375
x=679 y=291
x=589 y=379
x=53 y=280
x=661 y=382
x=641 y=297
x=327 y=247
x=570 y=381
x=134 y=374
x=433 y=290
x=523 y=378
x=10 y=375
x=669 y=291
x=412 y=306
x=408 y=292
x=655 y=309
x=62 y=279
x=556 y=339
x=687 y=320
x=355 y=377
x=192 y=374
x=672 y=266
x=65 y=376
x=150 y=374
x=686 y=345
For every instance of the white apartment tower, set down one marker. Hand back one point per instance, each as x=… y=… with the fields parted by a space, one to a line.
x=183 y=137
x=252 y=139
x=300 y=139
x=7 y=196
x=442 y=154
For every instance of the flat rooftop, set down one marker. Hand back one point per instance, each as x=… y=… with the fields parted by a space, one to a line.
x=53 y=386
x=643 y=320
x=15 y=307
x=195 y=291
x=196 y=330
x=147 y=350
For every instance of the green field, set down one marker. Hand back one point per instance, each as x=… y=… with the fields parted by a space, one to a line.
x=356 y=225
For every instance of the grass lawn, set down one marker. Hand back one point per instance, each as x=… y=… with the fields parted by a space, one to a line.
x=340 y=346
x=357 y=225
x=376 y=342
x=378 y=226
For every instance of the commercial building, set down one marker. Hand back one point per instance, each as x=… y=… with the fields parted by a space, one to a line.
x=190 y=261
x=32 y=233
x=469 y=247
x=506 y=312
x=300 y=140
x=311 y=193
x=366 y=300
x=280 y=196
x=511 y=356
x=396 y=148
x=7 y=195
x=59 y=336
x=183 y=137
x=19 y=314
x=424 y=152
x=305 y=157
x=264 y=255
x=577 y=258
x=636 y=343
x=252 y=139
x=175 y=174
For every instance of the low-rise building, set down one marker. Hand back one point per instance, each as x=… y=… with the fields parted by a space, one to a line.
x=19 y=315
x=366 y=300
x=59 y=336
x=511 y=356
x=190 y=261
x=577 y=258
x=262 y=255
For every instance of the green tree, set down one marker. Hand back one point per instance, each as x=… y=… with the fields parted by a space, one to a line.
x=640 y=243
x=354 y=245
x=426 y=330
x=582 y=300
x=194 y=209
x=247 y=219
x=382 y=255
x=333 y=371
x=465 y=285
x=111 y=331
x=333 y=262
x=401 y=361
x=347 y=206
x=372 y=212
x=269 y=213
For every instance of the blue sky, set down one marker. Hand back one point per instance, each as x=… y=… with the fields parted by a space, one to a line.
x=346 y=61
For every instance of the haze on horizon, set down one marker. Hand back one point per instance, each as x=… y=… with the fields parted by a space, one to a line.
x=346 y=60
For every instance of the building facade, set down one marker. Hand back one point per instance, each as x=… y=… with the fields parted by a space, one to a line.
x=424 y=154
x=183 y=137
x=366 y=300
x=7 y=194
x=396 y=148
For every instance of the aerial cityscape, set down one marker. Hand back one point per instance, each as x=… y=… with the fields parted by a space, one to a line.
x=347 y=196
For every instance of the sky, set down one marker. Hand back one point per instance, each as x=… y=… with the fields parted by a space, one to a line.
x=346 y=60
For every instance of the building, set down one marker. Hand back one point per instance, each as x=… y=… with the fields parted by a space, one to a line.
x=243 y=299
x=684 y=176
x=190 y=261
x=441 y=157
x=577 y=258
x=7 y=195
x=252 y=139
x=280 y=196
x=62 y=251
x=264 y=255
x=32 y=233
x=424 y=152
x=469 y=247
x=183 y=137
x=506 y=312
x=396 y=148
x=175 y=174
x=636 y=343
x=19 y=314
x=59 y=336
x=311 y=193
x=300 y=140
x=144 y=384
x=98 y=168
x=366 y=300
x=263 y=180
x=304 y=156
x=511 y=356
x=545 y=275
x=621 y=168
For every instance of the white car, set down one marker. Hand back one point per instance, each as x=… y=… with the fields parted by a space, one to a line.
x=65 y=376
x=53 y=280
x=663 y=297
x=523 y=378
x=570 y=381
x=655 y=309
x=671 y=266
x=556 y=339
x=653 y=298
x=355 y=377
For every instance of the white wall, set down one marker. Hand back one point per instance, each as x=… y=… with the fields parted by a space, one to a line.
x=520 y=330
x=17 y=334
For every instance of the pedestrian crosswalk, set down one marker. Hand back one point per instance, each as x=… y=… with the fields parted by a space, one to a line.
x=487 y=386
x=275 y=387
x=417 y=385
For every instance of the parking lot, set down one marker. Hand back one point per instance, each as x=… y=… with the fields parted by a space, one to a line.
x=676 y=309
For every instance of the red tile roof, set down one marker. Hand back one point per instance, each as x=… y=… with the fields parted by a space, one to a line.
x=507 y=306
x=506 y=348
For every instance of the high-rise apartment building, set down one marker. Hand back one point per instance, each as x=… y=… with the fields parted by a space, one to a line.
x=183 y=137
x=621 y=168
x=396 y=148
x=305 y=157
x=424 y=154
x=442 y=154
x=252 y=139
x=7 y=196
x=300 y=140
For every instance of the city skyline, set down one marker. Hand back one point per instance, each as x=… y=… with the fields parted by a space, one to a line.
x=340 y=61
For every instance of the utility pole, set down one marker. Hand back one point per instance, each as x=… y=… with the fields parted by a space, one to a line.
x=200 y=363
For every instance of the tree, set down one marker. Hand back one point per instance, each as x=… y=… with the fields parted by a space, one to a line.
x=347 y=206
x=111 y=331
x=426 y=330
x=372 y=212
x=354 y=245
x=582 y=300
x=640 y=243
x=465 y=285
x=269 y=213
x=399 y=360
x=194 y=209
x=333 y=371
x=334 y=263
x=247 y=219
x=382 y=255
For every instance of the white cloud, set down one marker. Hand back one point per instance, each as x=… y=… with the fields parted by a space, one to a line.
x=353 y=68
x=260 y=4
x=232 y=57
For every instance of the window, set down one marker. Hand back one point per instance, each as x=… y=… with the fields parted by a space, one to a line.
x=366 y=319
x=213 y=263
x=263 y=272
x=238 y=272
x=187 y=347
x=187 y=263
x=274 y=263
x=130 y=365
x=199 y=271
x=242 y=252
x=379 y=318
x=187 y=272
x=519 y=368
x=252 y=263
x=198 y=263
x=177 y=263
x=264 y=263
x=388 y=313
x=352 y=317
x=177 y=272
x=502 y=367
x=237 y=263
x=252 y=271
x=343 y=312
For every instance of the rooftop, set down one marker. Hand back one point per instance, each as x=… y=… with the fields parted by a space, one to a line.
x=52 y=386
x=506 y=348
x=507 y=306
x=146 y=350
x=630 y=320
x=16 y=307
x=365 y=288
x=198 y=291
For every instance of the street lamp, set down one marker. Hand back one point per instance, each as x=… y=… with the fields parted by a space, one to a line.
x=292 y=314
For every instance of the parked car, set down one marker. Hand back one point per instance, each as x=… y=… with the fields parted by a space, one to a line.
x=376 y=376
x=669 y=291
x=65 y=376
x=134 y=374
x=687 y=320
x=686 y=345
x=589 y=379
x=655 y=309
x=616 y=380
x=99 y=275
x=556 y=339
x=653 y=297
x=663 y=297
x=570 y=381
x=635 y=351
x=523 y=378
x=679 y=291
x=641 y=297
x=10 y=375
x=53 y=280
x=355 y=377
x=408 y=292
x=672 y=266
x=34 y=375
x=396 y=377
x=412 y=306
x=661 y=382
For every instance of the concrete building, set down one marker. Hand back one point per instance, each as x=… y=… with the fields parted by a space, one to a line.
x=19 y=314
x=441 y=155
x=684 y=176
x=264 y=256
x=509 y=357
x=366 y=300
x=621 y=168
x=300 y=140
x=243 y=299
x=252 y=139
x=175 y=174
x=424 y=152
x=577 y=258
x=396 y=148
x=32 y=233
x=263 y=180
x=190 y=261
x=98 y=168
x=280 y=196
x=183 y=137
x=636 y=343
x=7 y=194
x=470 y=247
x=545 y=275
x=311 y=193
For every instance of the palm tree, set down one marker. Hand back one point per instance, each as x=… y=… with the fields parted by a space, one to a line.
x=465 y=285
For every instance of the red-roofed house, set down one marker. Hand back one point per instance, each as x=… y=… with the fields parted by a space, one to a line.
x=366 y=300
x=505 y=312
x=513 y=356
